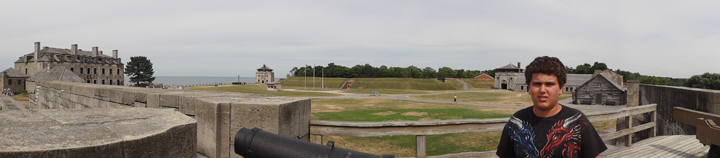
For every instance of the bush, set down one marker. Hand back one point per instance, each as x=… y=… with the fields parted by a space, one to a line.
x=23 y=92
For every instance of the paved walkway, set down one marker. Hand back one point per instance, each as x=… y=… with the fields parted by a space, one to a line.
x=8 y=103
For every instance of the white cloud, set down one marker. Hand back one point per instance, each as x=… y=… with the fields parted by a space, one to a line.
x=226 y=38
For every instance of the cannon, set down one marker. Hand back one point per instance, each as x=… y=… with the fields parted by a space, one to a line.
x=256 y=143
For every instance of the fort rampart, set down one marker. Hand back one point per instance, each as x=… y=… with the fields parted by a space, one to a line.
x=667 y=97
x=219 y=115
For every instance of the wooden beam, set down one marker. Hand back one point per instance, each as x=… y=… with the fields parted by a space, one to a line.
x=420 y=146
x=690 y=117
x=627 y=131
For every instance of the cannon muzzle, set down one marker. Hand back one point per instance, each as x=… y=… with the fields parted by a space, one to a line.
x=256 y=143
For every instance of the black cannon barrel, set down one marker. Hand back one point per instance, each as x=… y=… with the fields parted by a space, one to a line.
x=256 y=143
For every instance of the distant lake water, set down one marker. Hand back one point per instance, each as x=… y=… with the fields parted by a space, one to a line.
x=195 y=80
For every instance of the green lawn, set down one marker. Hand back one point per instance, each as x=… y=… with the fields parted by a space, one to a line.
x=479 y=84
x=407 y=115
x=500 y=97
x=259 y=89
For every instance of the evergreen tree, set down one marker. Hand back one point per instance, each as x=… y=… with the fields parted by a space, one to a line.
x=140 y=70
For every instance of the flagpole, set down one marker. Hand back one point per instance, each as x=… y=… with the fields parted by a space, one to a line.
x=305 y=76
x=313 y=76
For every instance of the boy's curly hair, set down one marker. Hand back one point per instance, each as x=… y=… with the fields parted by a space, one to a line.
x=546 y=65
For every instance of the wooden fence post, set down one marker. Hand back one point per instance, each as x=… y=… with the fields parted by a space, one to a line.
x=629 y=126
x=420 y=146
x=653 y=118
x=317 y=139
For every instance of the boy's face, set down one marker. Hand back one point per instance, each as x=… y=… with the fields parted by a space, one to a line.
x=545 y=90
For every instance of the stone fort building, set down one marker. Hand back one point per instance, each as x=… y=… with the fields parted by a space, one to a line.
x=264 y=75
x=91 y=66
x=505 y=76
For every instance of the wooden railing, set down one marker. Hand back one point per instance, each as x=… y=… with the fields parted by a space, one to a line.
x=420 y=129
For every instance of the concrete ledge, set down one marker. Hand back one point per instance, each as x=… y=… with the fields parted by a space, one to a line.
x=219 y=115
x=109 y=132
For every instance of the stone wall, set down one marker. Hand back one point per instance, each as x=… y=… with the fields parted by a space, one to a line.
x=668 y=97
x=219 y=115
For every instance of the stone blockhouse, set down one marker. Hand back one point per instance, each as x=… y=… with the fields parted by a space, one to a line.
x=505 y=76
x=274 y=86
x=264 y=75
x=92 y=66
x=13 y=79
x=572 y=82
x=57 y=73
x=605 y=88
x=484 y=76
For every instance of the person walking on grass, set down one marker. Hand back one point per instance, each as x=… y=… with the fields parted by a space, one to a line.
x=455 y=100
x=548 y=129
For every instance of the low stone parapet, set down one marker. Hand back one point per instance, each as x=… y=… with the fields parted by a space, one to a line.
x=219 y=115
x=110 y=132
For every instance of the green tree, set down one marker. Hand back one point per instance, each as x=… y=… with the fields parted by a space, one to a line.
x=706 y=81
x=140 y=70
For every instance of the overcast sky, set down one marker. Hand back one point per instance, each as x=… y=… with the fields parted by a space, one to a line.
x=229 y=38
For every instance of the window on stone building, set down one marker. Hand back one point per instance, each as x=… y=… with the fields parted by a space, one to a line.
x=95 y=81
x=72 y=69
x=118 y=82
x=118 y=71
x=26 y=71
x=566 y=88
x=10 y=82
x=94 y=70
x=20 y=82
x=110 y=82
x=81 y=70
x=88 y=81
x=103 y=81
x=598 y=84
x=110 y=71
x=88 y=70
x=103 y=70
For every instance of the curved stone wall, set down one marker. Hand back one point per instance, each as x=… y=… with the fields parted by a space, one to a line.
x=110 y=132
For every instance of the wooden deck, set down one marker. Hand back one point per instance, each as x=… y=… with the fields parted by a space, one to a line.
x=661 y=146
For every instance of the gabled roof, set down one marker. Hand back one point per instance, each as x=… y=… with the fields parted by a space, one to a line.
x=264 y=68
x=48 y=53
x=10 y=72
x=483 y=76
x=602 y=77
x=571 y=79
x=611 y=82
x=509 y=67
x=58 y=73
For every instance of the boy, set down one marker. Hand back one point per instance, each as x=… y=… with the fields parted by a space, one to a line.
x=548 y=129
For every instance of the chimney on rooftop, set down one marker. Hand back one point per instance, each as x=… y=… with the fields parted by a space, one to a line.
x=519 y=68
x=115 y=54
x=74 y=49
x=37 y=50
x=94 y=51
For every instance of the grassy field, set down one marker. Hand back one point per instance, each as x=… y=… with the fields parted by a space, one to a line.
x=300 y=83
x=342 y=109
x=322 y=109
x=500 y=97
x=349 y=109
x=406 y=83
x=259 y=89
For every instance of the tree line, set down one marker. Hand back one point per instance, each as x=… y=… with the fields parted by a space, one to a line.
x=368 y=71
x=706 y=80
